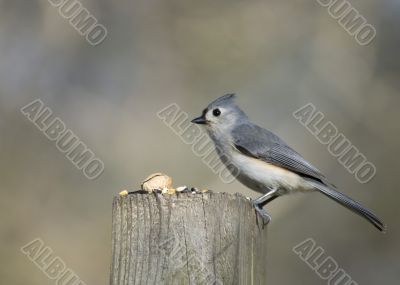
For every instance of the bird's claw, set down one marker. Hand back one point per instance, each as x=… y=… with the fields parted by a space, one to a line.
x=265 y=217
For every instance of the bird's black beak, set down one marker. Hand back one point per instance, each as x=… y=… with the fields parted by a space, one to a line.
x=200 y=120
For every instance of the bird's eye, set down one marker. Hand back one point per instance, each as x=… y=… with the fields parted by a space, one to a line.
x=216 y=112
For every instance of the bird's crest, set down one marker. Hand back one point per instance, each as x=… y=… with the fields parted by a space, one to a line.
x=225 y=99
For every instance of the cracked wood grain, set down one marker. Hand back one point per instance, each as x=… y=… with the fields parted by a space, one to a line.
x=185 y=238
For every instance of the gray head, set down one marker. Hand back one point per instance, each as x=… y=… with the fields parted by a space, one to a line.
x=221 y=114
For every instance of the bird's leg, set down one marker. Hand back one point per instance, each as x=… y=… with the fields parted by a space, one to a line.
x=267 y=197
x=263 y=200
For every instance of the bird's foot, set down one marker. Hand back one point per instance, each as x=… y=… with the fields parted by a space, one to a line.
x=265 y=217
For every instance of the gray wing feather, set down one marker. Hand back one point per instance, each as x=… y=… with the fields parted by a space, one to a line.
x=264 y=145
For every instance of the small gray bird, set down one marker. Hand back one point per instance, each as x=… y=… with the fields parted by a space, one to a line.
x=265 y=163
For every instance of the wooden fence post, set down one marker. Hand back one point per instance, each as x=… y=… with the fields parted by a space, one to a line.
x=187 y=238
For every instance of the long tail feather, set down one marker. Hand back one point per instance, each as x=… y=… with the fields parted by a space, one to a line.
x=348 y=203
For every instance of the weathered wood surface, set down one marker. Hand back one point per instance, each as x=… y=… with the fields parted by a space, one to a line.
x=208 y=238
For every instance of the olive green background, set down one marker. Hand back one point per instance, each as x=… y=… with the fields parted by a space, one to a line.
x=276 y=55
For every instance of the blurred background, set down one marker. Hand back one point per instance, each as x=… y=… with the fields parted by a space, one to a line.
x=275 y=55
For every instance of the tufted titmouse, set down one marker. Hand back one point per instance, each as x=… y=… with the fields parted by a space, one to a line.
x=264 y=162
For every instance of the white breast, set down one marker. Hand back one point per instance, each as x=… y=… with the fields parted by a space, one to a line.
x=269 y=175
